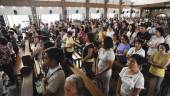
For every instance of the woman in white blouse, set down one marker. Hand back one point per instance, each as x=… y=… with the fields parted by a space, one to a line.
x=131 y=80
x=104 y=62
x=137 y=49
x=155 y=41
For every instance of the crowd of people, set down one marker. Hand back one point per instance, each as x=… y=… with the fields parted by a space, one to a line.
x=133 y=52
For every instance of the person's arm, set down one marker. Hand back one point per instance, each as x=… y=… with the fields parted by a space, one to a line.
x=89 y=54
x=158 y=65
x=97 y=61
x=48 y=93
x=161 y=65
x=118 y=87
x=109 y=63
x=136 y=92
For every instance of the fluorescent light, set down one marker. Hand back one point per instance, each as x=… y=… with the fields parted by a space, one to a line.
x=2 y=6
x=14 y=7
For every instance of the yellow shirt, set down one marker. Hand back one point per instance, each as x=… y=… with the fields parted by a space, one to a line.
x=69 y=42
x=160 y=72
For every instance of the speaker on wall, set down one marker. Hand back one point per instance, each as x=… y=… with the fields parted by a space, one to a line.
x=15 y=12
x=97 y=11
x=114 y=11
x=51 y=11
x=77 y=11
x=65 y=12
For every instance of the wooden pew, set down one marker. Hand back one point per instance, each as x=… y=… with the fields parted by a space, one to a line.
x=92 y=88
x=27 y=85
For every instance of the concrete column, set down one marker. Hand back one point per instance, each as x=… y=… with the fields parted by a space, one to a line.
x=87 y=10
x=34 y=13
x=64 y=11
x=120 y=8
x=105 y=8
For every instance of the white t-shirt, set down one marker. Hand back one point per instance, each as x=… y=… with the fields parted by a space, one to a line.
x=64 y=38
x=155 y=41
x=167 y=41
x=129 y=82
x=103 y=56
x=140 y=52
x=110 y=33
x=69 y=42
x=132 y=38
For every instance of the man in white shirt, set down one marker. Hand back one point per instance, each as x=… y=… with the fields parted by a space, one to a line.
x=55 y=79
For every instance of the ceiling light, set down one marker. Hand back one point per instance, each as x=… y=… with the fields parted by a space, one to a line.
x=14 y=7
x=1 y=6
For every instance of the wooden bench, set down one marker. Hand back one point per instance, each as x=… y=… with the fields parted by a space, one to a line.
x=27 y=84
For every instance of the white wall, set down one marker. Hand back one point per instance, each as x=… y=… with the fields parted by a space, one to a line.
x=96 y=1
x=127 y=12
x=113 y=2
x=111 y=14
x=157 y=11
x=46 y=10
x=71 y=13
x=6 y=10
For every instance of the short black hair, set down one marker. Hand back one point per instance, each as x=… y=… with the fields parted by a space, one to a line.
x=143 y=25
x=69 y=33
x=108 y=42
x=91 y=37
x=165 y=45
x=48 y=45
x=139 y=41
x=160 y=30
x=55 y=54
x=3 y=41
x=139 y=59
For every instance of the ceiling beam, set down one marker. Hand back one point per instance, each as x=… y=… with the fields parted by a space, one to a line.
x=57 y=4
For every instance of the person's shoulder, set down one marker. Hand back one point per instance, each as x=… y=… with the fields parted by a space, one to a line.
x=140 y=75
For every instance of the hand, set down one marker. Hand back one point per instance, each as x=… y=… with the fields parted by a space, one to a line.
x=117 y=94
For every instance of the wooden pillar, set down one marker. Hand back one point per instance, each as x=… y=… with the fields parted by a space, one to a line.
x=64 y=11
x=141 y=12
x=87 y=10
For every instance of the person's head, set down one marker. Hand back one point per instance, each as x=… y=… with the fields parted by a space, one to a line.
x=90 y=37
x=138 y=44
x=53 y=56
x=69 y=34
x=36 y=39
x=135 y=62
x=115 y=37
x=3 y=41
x=108 y=42
x=159 y=32
x=124 y=39
x=74 y=86
x=163 y=48
x=48 y=45
x=143 y=28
